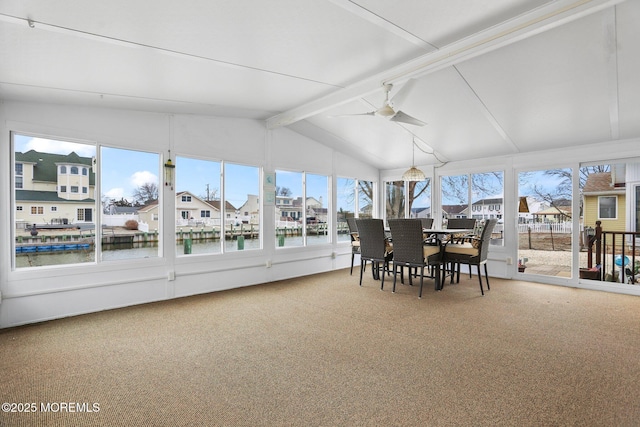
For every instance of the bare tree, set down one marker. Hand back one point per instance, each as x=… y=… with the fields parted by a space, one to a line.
x=210 y=194
x=394 y=199
x=146 y=193
x=283 y=191
x=563 y=192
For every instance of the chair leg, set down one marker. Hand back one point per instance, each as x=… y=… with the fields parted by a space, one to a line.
x=455 y=271
x=486 y=276
x=382 y=277
x=362 y=262
x=352 y=258
x=375 y=270
x=479 y=279
x=395 y=275
x=421 y=280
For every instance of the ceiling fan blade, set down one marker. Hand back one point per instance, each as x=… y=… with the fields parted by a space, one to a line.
x=405 y=118
x=370 y=113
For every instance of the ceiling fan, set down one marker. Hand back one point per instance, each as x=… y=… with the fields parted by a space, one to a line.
x=387 y=110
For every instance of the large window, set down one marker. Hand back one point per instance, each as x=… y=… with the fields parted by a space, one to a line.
x=289 y=215
x=199 y=208
x=479 y=196
x=545 y=222
x=301 y=209
x=355 y=200
x=242 y=207
x=394 y=199
x=346 y=206
x=51 y=228
x=316 y=211
x=455 y=197
x=130 y=208
x=411 y=199
x=419 y=196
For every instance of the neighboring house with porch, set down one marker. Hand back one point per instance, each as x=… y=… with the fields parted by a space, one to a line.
x=288 y=208
x=53 y=188
x=191 y=210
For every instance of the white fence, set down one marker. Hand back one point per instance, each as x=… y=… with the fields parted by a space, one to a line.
x=539 y=227
x=202 y=222
x=117 y=220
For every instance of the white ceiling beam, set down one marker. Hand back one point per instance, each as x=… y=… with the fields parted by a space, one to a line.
x=611 y=46
x=541 y=19
x=368 y=15
x=482 y=107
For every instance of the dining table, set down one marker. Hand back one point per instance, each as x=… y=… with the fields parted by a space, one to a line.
x=440 y=240
x=440 y=233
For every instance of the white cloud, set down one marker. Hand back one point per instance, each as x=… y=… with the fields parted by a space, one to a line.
x=59 y=147
x=115 y=193
x=143 y=177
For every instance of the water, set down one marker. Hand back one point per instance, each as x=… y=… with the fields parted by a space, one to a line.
x=36 y=259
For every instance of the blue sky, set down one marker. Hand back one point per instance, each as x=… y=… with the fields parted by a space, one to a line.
x=125 y=170
x=317 y=185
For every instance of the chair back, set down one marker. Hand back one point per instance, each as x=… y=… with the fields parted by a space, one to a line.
x=465 y=223
x=426 y=222
x=407 y=241
x=485 y=238
x=351 y=222
x=372 y=239
x=353 y=229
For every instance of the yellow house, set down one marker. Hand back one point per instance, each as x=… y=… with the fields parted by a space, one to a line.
x=604 y=200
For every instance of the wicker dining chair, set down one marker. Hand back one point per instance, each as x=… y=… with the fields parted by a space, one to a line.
x=409 y=250
x=355 y=240
x=473 y=252
x=463 y=223
x=374 y=247
x=426 y=223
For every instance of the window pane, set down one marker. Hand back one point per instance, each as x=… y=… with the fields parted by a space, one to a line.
x=242 y=207
x=544 y=222
x=130 y=218
x=487 y=191
x=610 y=196
x=455 y=197
x=317 y=192
x=420 y=199
x=198 y=207
x=346 y=198
x=66 y=235
x=288 y=209
x=394 y=199
x=607 y=207
x=365 y=199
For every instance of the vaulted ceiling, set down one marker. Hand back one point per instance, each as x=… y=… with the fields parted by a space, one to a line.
x=487 y=77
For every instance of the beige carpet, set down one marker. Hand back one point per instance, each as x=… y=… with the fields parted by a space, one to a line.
x=321 y=351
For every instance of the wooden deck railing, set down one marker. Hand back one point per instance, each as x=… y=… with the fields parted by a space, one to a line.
x=617 y=252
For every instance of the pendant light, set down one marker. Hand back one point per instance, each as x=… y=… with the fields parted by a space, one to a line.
x=413 y=173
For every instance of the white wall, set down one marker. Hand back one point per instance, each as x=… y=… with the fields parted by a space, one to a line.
x=31 y=295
